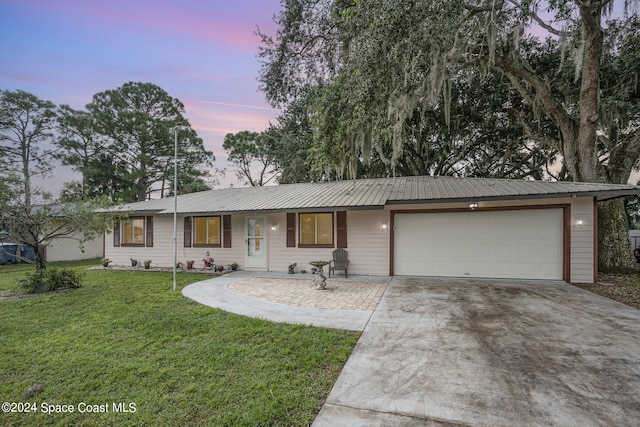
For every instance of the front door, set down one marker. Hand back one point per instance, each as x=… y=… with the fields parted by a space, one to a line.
x=256 y=255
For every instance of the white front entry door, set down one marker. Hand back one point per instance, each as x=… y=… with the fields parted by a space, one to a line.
x=256 y=242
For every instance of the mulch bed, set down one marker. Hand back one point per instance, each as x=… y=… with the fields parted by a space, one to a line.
x=624 y=288
x=161 y=269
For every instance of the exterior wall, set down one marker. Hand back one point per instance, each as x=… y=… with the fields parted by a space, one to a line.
x=69 y=250
x=368 y=243
x=161 y=254
x=583 y=241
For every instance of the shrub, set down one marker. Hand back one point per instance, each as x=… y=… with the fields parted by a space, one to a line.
x=50 y=280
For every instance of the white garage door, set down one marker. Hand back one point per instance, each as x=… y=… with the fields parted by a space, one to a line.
x=523 y=244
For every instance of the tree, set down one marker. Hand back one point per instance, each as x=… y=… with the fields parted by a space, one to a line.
x=396 y=57
x=484 y=136
x=79 y=146
x=37 y=225
x=26 y=123
x=136 y=122
x=292 y=141
x=632 y=205
x=251 y=153
x=30 y=215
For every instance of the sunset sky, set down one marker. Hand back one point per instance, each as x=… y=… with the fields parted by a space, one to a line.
x=202 y=52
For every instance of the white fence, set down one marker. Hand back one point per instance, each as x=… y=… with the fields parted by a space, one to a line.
x=634 y=238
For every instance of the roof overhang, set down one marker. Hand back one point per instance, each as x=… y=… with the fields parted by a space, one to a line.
x=599 y=195
x=370 y=194
x=270 y=211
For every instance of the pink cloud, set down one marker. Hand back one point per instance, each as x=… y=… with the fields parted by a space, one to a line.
x=213 y=120
x=218 y=23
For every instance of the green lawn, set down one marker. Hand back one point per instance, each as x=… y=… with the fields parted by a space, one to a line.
x=127 y=338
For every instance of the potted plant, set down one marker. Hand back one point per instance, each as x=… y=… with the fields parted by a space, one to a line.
x=134 y=262
x=190 y=264
x=105 y=262
x=208 y=260
x=147 y=264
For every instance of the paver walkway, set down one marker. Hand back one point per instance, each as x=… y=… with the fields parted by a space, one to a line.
x=345 y=303
x=340 y=294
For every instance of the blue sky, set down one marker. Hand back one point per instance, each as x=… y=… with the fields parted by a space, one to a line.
x=202 y=52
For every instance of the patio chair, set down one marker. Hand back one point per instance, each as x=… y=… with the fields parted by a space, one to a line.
x=340 y=261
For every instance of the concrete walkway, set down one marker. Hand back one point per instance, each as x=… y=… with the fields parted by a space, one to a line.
x=218 y=292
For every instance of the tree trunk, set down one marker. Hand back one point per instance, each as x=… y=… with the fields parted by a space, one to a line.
x=589 y=91
x=614 y=251
x=38 y=259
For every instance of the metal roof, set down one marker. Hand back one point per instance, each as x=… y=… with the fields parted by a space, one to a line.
x=374 y=194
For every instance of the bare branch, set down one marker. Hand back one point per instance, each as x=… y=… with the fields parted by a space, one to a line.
x=541 y=22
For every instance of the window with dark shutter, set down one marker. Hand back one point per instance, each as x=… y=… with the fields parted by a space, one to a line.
x=187 y=232
x=116 y=234
x=149 y=230
x=341 y=228
x=226 y=231
x=291 y=230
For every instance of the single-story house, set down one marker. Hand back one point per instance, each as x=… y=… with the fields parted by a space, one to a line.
x=70 y=249
x=421 y=225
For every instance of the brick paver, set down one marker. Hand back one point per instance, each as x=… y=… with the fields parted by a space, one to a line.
x=357 y=294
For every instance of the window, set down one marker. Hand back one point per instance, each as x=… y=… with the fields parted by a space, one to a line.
x=133 y=232
x=206 y=231
x=316 y=229
x=136 y=231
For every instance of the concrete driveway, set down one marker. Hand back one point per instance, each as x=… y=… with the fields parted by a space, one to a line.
x=491 y=353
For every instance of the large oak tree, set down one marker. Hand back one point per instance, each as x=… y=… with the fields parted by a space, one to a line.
x=394 y=58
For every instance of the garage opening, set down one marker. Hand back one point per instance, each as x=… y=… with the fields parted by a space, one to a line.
x=518 y=244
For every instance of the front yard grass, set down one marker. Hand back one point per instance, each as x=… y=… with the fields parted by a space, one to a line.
x=126 y=338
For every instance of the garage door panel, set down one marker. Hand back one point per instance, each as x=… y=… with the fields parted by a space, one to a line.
x=509 y=244
x=504 y=270
x=550 y=251
x=528 y=252
x=503 y=234
x=480 y=234
x=481 y=269
x=528 y=271
x=464 y=251
x=548 y=234
x=546 y=269
x=442 y=269
x=483 y=251
x=504 y=252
